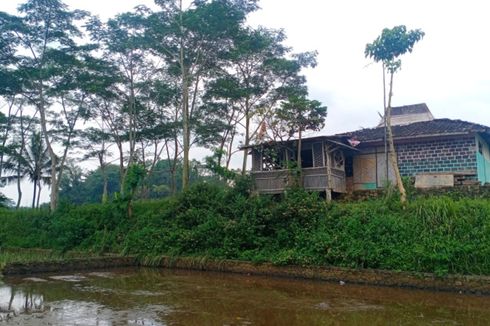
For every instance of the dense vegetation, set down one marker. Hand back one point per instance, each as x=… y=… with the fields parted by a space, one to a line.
x=432 y=234
x=143 y=88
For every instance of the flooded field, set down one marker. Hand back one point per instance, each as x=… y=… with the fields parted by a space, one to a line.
x=162 y=297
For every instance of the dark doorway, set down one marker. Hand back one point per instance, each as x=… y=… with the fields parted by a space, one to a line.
x=307 y=158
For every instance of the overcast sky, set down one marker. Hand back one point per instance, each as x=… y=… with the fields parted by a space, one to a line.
x=449 y=69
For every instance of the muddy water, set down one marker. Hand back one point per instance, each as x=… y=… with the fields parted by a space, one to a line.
x=162 y=297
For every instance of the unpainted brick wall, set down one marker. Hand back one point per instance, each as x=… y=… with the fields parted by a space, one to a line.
x=450 y=155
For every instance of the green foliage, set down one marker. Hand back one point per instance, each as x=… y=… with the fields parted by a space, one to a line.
x=25 y=228
x=32 y=163
x=5 y=202
x=391 y=44
x=436 y=234
x=214 y=166
x=300 y=114
x=134 y=177
x=77 y=188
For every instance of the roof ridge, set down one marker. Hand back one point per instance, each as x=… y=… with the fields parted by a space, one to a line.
x=443 y=125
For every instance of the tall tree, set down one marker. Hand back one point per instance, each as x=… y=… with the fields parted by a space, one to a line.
x=10 y=89
x=260 y=72
x=41 y=45
x=127 y=108
x=192 y=41
x=387 y=48
x=157 y=127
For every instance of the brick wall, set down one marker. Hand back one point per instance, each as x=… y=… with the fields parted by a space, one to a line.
x=437 y=156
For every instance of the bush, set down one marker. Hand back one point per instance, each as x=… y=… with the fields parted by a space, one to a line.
x=436 y=234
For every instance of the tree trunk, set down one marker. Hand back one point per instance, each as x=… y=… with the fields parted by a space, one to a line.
x=230 y=151
x=185 y=106
x=172 y=166
x=299 y=163
x=394 y=163
x=19 y=188
x=100 y=156
x=228 y=133
x=6 y=131
x=22 y=146
x=385 y=131
x=186 y=138
x=121 y=167
x=221 y=148
x=38 y=194
x=105 y=195
x=131 y=133
x=247 y=140
x=52 y=154
x=34 y=194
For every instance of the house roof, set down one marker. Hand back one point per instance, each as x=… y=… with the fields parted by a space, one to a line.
x=432 y=128
x=402 y=115
x=416 y=130
x=410 y=109
x=330 y=139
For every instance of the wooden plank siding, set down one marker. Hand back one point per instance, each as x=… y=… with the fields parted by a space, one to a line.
x=314 y=179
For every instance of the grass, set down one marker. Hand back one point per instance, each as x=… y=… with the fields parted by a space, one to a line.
x=26 y=256
x=436 y=234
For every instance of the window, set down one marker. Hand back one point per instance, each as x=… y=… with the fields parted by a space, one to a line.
x=307 y=158
x=338 y=159
x=272 y=159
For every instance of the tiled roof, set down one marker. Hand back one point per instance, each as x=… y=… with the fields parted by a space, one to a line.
x=436 y=127
x=404 y=115
x=410 y=109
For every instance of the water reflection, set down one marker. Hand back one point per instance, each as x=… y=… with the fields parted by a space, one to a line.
x=162 y=297
x=14 y=301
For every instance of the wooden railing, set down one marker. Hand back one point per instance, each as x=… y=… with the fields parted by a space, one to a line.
x=314 y=179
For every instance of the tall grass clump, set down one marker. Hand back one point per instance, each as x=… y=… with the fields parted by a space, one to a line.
x=435 y=234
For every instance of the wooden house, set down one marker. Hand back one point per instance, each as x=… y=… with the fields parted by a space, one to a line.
x=322 y=159
x=436 y=152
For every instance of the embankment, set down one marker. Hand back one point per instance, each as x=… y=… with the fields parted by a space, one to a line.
x=427 y=281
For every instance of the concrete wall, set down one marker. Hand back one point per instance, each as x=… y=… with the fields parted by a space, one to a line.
x=429 y=156
x=449 y=155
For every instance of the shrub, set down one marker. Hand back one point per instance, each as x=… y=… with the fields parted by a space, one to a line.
x=436 y=234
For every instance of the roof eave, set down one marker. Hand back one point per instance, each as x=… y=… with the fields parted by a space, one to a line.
x=324 y=138
x=418 y=137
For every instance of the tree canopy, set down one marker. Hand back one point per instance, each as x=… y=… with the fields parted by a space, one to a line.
x=140 y=89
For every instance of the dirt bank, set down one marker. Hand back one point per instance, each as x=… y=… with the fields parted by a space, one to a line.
x=456 y=283
x=72 y=264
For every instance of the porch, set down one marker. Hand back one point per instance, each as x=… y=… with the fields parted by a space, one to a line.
x=323 y=162
x=314 y=179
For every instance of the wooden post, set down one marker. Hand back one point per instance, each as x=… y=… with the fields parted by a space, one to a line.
x=328 y=190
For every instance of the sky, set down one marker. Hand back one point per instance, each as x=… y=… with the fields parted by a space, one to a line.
x=449 y=69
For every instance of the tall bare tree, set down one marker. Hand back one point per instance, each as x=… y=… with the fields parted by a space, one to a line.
x=40 y=43
x=192 y=41
x=387 y=48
